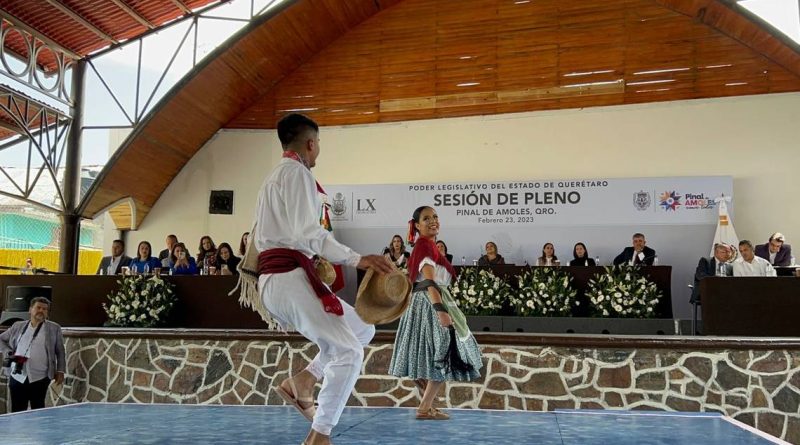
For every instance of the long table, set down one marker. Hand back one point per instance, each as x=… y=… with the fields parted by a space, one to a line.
x=751 y=306
x=660 y=275
x=203 y=301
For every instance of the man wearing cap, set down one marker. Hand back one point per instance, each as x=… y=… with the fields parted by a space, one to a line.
x=289 y=234
x=775 y=251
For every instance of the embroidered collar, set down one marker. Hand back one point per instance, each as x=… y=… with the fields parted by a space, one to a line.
x=293 y=155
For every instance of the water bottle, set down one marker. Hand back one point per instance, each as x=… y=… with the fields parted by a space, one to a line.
x=205 y=266
x=134 y=269
x=110 y=269
x=655 y=260
x=463 y=261
x=597 y=260
x=146 y=269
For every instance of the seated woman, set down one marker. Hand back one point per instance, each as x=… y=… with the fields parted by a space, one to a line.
x=207 y=251
x=144 y=261
x=548 y=257
x=226 y=262
x=492 y=258
x=243 y=243
x=396 y=252
x=180 y=262
x=581 y=256
x=443 y=250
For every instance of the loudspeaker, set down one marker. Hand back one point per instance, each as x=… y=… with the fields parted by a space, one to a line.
x=18 y=301
x=221 y=202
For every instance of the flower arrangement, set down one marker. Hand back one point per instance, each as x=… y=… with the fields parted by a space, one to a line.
x=140 y=302
x=479 y=292
x=623 y=292
x=544 y=292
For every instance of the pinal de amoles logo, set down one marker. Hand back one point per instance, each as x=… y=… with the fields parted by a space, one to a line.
x=641 y=200
x=670 y=201
x=339 y=205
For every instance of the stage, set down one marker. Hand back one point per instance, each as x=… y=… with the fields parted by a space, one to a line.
x=124 y=424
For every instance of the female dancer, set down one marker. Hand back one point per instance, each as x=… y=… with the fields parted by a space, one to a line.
x=433 y=343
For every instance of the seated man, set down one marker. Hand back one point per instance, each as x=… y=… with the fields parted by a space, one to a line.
x=751 y=265
x=112 y=265
x=775 y=251
x=637 y=255
x=170 y=242
x=717 y=265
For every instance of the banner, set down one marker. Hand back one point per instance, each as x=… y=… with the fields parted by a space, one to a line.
x=604 y=202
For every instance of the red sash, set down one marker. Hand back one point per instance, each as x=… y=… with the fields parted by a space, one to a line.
x=287 y=260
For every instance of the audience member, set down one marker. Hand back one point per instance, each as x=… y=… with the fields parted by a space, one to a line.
x=637 y=255
x=717 y=265
x=226 y=261
x=144 y=261
x=112 y=265
x=548 y=257
x=492 y=257
x=207 y=252
x=443 y=250
x=775 y=251
x=581 y=256
x=170 y=242
x=751 y=265
x=396 y=252
x=243 y=243
x=180 y=262
x=36 y=350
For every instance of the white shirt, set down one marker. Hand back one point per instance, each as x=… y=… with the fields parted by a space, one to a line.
x=759 y=267
x=35 y=368
x=772 y=257
x=288 y=213
x=113 y=264
x=440 y=274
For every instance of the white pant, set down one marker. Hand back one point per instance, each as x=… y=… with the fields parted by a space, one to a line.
x=290 y=298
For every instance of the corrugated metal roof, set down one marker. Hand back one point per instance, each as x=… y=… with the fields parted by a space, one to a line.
x=112 y=22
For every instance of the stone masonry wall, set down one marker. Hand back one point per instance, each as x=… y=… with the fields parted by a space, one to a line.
x=760 y=388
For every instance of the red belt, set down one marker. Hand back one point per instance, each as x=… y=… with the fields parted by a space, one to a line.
x=286 y=260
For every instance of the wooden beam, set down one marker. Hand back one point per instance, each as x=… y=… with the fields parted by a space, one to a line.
x=182 y=6
x=743 y=26
x=32 y=31
x=135 y=15
x=82 y=21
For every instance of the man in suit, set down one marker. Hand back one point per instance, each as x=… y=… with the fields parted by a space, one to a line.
x=36 y=349
x=116 y=261
x=775 y=251
x=638 y=254
x=170 y=241
x=717 y=265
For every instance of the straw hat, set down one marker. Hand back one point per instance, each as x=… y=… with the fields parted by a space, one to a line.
x=382 y=298
x=325 y=271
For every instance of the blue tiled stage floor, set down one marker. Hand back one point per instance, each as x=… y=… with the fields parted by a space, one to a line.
x=124 y=424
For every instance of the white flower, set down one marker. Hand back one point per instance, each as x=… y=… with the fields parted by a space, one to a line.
x=529 y=304
x=490 y=292
x=605 y=312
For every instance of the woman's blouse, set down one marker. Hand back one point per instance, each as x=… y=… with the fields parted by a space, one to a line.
x=485 y=261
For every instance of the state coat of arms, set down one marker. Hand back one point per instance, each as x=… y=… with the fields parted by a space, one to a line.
x=641 y=200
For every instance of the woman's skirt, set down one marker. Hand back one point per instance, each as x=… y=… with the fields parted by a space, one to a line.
x=421 y=343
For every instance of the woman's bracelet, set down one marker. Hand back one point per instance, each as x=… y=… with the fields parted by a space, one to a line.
x=439 y=307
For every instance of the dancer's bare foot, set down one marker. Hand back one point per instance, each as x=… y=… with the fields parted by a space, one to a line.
x=315 y=438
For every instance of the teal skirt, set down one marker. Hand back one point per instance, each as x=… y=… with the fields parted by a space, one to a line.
x=421 y=342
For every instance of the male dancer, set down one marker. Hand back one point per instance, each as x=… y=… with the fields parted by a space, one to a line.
x=288 y=235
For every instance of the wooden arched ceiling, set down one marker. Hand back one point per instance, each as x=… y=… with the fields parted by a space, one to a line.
x=439 y=58
x=426 y=59
x=212 y=94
